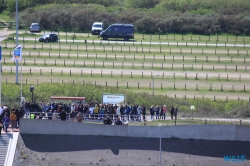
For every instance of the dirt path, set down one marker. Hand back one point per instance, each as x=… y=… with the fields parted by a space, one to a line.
x=4 y=33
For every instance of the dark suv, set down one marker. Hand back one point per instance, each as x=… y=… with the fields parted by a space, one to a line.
x=48 y=38
x=125 y=31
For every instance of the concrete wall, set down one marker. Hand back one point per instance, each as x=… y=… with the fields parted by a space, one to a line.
x=206 y=132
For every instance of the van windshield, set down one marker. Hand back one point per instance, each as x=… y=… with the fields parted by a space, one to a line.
x=108 y=29
x=97 y=25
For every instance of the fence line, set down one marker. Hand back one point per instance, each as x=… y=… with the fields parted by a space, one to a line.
x=131 y=74
x=105 y=48
x=163 y=66
x=161 y=86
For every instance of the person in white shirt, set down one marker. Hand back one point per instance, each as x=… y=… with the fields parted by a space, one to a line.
x=139 y=113
x=91 y=111
x=118 y=112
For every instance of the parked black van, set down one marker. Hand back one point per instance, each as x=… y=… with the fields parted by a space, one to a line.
x=125 y=31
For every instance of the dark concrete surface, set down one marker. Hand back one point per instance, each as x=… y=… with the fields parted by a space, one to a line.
x=63 y=150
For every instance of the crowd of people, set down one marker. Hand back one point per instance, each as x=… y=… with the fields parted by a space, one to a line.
x=10 y=116
x=78 y=112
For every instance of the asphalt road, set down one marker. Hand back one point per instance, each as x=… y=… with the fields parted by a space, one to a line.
x=137 y=42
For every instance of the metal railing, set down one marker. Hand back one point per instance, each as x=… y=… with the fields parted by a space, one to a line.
x=146 y=120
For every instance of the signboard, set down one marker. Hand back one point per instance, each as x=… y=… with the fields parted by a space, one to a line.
x=17 y=53
x=113 y=99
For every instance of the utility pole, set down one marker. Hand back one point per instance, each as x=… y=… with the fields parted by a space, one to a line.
x=16 y=39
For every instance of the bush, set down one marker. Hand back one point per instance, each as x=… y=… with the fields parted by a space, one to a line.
x=79 y=17
x=203 y=107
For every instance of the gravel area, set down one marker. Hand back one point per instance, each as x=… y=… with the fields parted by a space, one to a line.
x=64 y=150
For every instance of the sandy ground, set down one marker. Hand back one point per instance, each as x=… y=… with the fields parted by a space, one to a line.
x=58 y=150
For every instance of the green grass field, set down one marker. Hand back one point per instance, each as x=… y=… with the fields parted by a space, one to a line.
x=189 y=70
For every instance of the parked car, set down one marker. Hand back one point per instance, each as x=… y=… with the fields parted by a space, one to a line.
x=97 y=28
x=52 y=37
x=34 y=27
x=125 y=31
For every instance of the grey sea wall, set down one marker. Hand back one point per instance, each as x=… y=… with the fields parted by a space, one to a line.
x=206 y=132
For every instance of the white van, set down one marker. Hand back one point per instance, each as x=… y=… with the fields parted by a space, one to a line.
x=97 y=28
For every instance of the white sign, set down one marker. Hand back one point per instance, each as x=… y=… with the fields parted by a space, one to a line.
x=113 y=99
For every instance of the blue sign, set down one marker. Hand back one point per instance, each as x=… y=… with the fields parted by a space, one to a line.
x=17 y=52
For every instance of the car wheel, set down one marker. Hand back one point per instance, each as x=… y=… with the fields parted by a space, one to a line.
x=56 y=40
x=126 y=38
x=105 y=38
x=92 y=33
x=46 y=40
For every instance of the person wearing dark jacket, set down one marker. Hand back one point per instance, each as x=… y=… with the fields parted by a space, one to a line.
x=107 y=121
x=172 y=112
x=118 y=122
x=18 y=115
x=6 y=122
x=144 y=112
x=63 y=115
x=175 y=112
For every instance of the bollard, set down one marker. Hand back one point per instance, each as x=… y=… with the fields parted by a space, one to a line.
x=205 y=121
x=240 y=122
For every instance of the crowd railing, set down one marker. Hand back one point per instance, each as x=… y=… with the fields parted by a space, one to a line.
x=147 y=119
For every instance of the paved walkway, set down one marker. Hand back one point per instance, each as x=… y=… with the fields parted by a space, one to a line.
x=8 y=146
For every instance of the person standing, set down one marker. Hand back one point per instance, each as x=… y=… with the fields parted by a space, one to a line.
x=18 y=116
x=172 y=112
x=32 y=116
x=96 y=111
x=6 y=122
x=164 y=110
x=91 y=111
x=118 y=111
x=128 y=111
x=13 y=119
x=175 y=112
x=49 y=115
x=157 y=111
x=144 y=112
x=152 y=112
x=72 y=115
x=102 y=110
x=138 y=118
x=161 y=112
